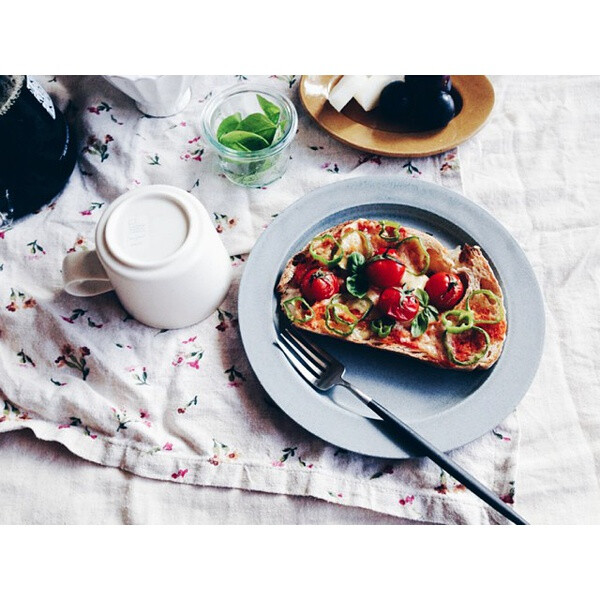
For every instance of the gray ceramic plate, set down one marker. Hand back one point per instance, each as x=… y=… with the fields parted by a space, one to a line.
x=448 y=408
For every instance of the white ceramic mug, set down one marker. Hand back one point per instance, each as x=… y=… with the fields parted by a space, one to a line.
x=157 y=248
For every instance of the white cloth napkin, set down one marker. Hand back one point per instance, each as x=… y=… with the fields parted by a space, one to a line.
x=184 y=405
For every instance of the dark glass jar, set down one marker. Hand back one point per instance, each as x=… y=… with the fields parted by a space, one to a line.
x=37 y=150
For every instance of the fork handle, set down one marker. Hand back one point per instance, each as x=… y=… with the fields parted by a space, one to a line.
x=437 y=456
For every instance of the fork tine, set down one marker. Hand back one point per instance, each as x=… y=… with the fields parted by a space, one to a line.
x=318 y=355
x=311 y=365
x=296 y=363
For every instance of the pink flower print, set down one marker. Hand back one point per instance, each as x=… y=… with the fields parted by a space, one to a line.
x=68 y=358
x=194 y=140
x=12 y=307
x=183 y=124
x=406 y=500
x=98 y=148
x=500 y=436
x=193 y=402
x=78 y=245
x=103 y=106
x=76 y=422
x=93 y=206
x=286 y=453
x=180 y=473
x=168 y=447
x=144 y=414
x=190 y=356
x=221 y=453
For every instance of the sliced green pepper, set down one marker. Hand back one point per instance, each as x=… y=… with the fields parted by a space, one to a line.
x=353 y=239
x=358 y=307
x=394 y=236
x=382 y=327
x=473 y=300
x=457 y=321
x=330 y=257
x=335 y=322
x=413 y=255
x=475 y=355
x=298 y=310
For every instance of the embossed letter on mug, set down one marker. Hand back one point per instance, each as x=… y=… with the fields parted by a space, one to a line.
x=157 y=248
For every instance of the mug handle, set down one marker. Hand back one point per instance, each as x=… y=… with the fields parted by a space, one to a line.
x=84 y=275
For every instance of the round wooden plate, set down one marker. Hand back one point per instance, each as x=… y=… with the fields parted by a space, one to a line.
x=474 y=99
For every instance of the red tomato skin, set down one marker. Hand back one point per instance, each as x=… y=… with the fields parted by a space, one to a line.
x=299 y=273
x=445 y=290
x=385 y=273
x=400 y=307
x=319 y=284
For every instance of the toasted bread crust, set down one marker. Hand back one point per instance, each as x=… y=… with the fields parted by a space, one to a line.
x=468 y=262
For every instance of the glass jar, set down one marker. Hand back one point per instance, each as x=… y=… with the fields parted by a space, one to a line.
x=250 y=168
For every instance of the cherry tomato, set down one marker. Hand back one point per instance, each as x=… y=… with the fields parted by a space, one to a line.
x=299 y=273
x=444 y=289
x=385 y=272
x=398 y=305
x=319 y=284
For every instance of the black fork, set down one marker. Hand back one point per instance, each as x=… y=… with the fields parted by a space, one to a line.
x=323 y=371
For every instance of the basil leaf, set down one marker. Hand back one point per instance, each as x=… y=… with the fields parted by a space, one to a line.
x=423 y=297
x=357 y=285
x=432 y=312
x=228 y=124
x=419 y=325
x=259 y=124
x=271 y=110
x=355 y=261
x=247 y=139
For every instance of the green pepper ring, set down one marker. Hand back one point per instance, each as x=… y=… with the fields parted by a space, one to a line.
x=337 y=257
x=424 y=252
x=489 y=294
x=396 y=231
x=461 y=315
x=333 y=329
x=337 y=299
x=366 y=242
x=311 y=312
x=377 y=326
x=476 y=357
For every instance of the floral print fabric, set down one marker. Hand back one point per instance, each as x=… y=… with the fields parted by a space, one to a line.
x=184 y=405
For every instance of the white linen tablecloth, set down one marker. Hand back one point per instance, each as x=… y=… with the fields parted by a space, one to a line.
x=494 y=176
